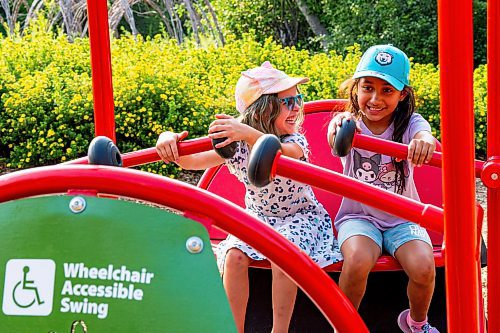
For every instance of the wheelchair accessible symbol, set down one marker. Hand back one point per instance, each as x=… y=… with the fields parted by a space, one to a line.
x=29 y=287
x=26 y=285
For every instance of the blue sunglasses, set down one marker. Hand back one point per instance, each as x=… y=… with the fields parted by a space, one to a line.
x=292 y=100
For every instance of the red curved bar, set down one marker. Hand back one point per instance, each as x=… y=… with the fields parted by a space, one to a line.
x=207 y=177
x=332 y=105
x=424 y=214
x=184 y=197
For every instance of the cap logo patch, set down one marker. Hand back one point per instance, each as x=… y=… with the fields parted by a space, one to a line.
x=383 y=58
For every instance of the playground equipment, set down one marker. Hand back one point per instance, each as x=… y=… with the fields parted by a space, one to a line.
x=118 y=265
x=344 y=138
x=386 y=292
x=65 y=227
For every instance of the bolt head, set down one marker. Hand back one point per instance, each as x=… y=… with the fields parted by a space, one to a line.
x=77 y=205
x=194 y=244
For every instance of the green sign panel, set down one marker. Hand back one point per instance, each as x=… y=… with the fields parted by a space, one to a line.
x=87 y=264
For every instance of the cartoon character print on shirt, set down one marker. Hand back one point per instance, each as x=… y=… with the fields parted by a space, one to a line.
x=387 y=175
x=369 y=170
x=366 y=168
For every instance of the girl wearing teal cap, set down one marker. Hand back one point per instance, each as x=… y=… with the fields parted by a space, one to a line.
x=383 y=104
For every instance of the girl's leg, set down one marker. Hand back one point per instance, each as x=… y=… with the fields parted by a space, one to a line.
x=360 y=255
x=235 y=280
x=417 y=260
x=284 y=294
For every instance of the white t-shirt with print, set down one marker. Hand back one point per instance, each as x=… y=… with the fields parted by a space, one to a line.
x=378 y=170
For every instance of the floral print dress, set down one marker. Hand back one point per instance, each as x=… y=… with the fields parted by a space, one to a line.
x=289 y=207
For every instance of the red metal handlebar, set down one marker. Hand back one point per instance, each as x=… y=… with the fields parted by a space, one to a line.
x=400 y=150
x=427 y=215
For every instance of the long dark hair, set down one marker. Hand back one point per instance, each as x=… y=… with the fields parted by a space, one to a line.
x=401 y=118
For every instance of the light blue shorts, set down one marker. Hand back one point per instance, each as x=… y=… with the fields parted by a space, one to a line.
x=389 y=240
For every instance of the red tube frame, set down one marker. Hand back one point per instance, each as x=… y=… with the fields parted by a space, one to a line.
x=190 y=199
x=493 y=157
x=102 y=82
x=457 y=128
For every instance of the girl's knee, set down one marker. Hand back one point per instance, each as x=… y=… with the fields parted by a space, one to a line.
x=358 y=263
x=424 y=272
x=236 y=259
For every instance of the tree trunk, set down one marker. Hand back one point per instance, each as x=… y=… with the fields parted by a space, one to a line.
x=194 y=21
x=176 y=22
x=8 y=17
x=209 y=24
x=313 y=21
x=162 y=16
x=216 y=22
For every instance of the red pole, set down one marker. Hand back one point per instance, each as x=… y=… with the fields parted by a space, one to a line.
x=457 y=128
x=102 y=86
x=491 y=179
x=400 y=150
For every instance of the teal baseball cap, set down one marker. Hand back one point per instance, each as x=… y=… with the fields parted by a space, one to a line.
x=385 y=62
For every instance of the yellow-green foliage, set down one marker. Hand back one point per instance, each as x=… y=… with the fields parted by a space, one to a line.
x=46 y=109
x=480 y=100
x=425 y=82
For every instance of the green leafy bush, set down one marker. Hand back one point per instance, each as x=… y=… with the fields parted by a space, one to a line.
x=46 y=109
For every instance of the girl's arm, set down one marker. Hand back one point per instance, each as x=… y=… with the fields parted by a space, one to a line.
x=292 y=150
x=166 y=147
x=228 y=127
x=421 y=148
x=233 y=130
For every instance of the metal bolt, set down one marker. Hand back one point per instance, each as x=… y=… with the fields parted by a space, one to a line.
x=494 y=176
x=194 y=244
x=77 y=205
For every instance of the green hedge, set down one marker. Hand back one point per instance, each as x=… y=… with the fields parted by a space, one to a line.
x=46 y=114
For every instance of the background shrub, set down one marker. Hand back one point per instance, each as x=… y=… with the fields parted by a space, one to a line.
x=410 y=24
